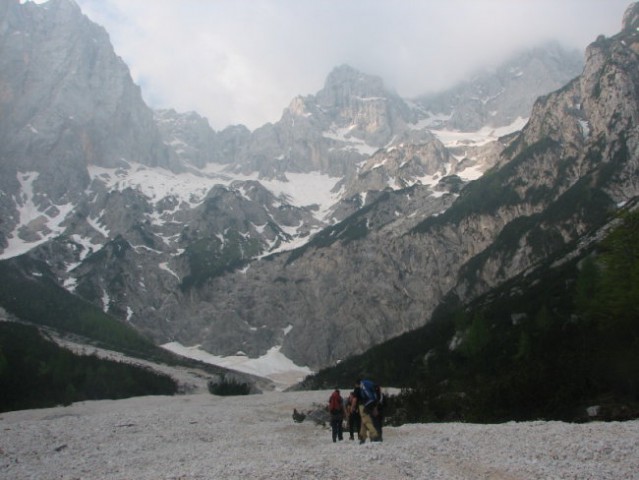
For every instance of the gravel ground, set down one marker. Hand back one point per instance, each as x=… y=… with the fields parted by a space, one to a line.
x=201 y=436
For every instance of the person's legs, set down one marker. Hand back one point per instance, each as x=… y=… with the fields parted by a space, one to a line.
x=378 y=421
x=354 y=425
x=368 y=429
x=351 y=426
x=334 y=427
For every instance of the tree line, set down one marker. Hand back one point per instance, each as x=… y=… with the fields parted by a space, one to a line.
x=37 y=373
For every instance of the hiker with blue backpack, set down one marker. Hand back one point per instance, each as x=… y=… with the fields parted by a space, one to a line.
x=368 y=400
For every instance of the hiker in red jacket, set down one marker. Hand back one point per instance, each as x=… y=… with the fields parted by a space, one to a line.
x=336 y=410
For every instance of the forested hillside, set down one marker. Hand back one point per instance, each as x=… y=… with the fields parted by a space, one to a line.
x=36 y=373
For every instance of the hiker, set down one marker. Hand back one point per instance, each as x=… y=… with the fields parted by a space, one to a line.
x=367 y=405
x=378 y=411
x=336 y=410
x=354 y=420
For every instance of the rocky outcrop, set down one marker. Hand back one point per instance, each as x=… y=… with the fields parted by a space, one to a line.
x=630 y=20
x=362 y=104
x=416 y=157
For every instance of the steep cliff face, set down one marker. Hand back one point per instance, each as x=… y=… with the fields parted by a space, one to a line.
x=572 y=165
x=62 y=81
x=66 y=101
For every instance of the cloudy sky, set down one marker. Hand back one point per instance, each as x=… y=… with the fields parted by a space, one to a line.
x=243 y=61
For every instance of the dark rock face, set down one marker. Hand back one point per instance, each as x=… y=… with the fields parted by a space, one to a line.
x=66 y=99
x=631 y=18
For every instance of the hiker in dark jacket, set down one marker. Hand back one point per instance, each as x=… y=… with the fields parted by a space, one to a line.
x=354 y=420
x=336 y=410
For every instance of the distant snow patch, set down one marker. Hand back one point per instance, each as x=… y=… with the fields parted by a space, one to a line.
x=273 y=365
x=164 y=266
x=303 y=189
x=343 y=135
x=454 y=138
x=98 y=228
x=45 y=225
x=106 y=301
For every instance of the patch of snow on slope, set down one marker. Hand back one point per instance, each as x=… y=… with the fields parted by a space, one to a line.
x=471 y=173
x=156 y=183
x=350 y=143
x=297 y=242
x=164 y=266
x=106 y=301
x=302 y=190
x=45 y=225
x=86 y=245
x=95 y=224
x=453 y=138
x=273 y=365
x=305 y=189
x=71 y=284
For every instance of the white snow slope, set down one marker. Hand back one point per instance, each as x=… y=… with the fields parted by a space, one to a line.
x=201 y=436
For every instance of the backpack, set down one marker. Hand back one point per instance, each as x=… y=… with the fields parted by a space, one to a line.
x=368 y=393
x=335 y=403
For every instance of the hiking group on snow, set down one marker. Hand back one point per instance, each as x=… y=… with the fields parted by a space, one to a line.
x=362 y=410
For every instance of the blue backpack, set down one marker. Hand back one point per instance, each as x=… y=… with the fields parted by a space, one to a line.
x=369 y=394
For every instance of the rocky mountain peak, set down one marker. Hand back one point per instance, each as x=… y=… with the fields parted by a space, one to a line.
x=631 y=17
x=345 y=81
x=62 y=6
x=297 y=107
x=362 y=103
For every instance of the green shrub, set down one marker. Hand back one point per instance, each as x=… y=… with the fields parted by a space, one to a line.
x=229 y=387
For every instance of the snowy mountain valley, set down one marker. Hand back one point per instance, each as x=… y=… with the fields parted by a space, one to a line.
x=474 y=250
x=357 y=221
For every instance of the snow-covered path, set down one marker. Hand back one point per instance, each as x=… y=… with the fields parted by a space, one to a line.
x=206 y=437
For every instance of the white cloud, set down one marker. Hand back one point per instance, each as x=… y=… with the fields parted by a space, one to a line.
x=242 y=62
